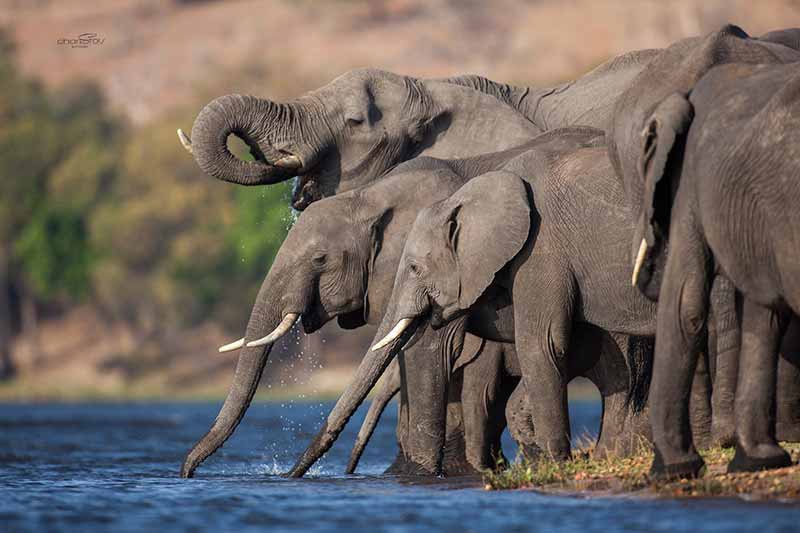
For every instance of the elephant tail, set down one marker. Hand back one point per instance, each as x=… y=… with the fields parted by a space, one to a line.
x=640 y=364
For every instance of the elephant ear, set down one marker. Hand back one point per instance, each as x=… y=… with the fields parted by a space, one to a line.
x=376 y=225
x=488 y=221
x=666 y=126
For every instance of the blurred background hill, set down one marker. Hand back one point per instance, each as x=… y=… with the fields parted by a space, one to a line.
x=123 y=267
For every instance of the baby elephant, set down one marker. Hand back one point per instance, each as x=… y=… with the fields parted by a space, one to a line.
x=549 y=230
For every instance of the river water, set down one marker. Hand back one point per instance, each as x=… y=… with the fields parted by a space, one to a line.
x=114 y=467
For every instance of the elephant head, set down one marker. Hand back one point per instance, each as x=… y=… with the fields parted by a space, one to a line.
x=319 y=273
x=350 y=131
x=651 y=121
x=456 y=247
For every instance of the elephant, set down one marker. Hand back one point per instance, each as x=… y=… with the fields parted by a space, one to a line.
x=716 y=208
x=333 y=264
x=570 y=177
x=651 y=125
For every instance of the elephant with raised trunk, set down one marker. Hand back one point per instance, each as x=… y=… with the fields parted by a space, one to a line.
x=649 y=143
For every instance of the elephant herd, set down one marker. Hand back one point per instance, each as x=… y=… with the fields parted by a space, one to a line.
x=638 y=226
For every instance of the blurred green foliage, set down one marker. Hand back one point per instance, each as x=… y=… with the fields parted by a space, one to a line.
x=92 y=209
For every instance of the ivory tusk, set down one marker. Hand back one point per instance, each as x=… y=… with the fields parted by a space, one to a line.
x=394 y=334
x=185 y=141
x=290 y=162
x=285 y=325
x=639 y=261
x=235 y=345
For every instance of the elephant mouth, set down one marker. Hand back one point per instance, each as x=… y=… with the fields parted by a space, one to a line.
x=309 y=186
x=312 y=322
x=306 y=191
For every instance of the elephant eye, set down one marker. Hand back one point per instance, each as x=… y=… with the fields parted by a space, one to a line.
x=355 y=121
x=414 y=268
x=319 y=259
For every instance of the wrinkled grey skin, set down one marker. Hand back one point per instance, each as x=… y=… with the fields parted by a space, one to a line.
x=362 y=124
x=493 y=235
x=726 y=200
x=647 y=136
x=351 y=152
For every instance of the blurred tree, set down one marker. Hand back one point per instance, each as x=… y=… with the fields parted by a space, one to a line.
x=176 y=247
x=91 y=209
x=56 y=156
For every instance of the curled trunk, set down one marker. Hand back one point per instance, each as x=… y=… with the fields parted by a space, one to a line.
x=259 y=123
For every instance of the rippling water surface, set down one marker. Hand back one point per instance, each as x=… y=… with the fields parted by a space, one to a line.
x=115 y=468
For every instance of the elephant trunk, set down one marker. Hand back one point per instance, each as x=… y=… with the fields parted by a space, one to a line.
x=390 y=387
x=369 y=371
x=245 y=382
x=265 y=317
x=259 y=123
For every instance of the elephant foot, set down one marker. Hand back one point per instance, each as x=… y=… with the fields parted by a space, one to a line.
x=691 y=468
x=460 y=469
x=760 y=457
x=787 y=432
x=403 y=466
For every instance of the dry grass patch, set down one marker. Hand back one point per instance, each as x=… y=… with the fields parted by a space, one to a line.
x=587 y=474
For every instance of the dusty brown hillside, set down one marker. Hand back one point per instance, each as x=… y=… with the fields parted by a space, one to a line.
x=156 y=53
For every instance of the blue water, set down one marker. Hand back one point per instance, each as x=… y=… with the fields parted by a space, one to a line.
x=115 y=467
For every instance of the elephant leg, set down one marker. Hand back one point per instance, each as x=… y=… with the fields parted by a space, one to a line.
x=756 y=447
x=483 y=404
x=723 y=358
x=421 y=430
x=787 y=412
x=454 y=454
x=682 y=312
x=542 y=340
x=520 y=421
x=624 y=424
x=700 y=404
x=400 y=464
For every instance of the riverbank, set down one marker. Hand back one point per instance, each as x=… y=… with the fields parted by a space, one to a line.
x=585 y=475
